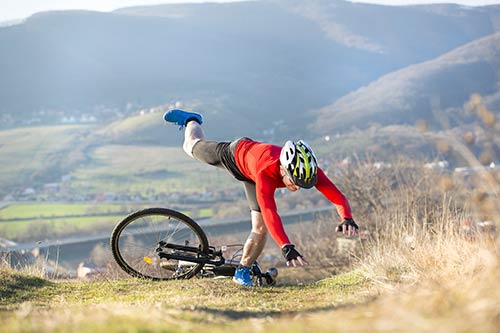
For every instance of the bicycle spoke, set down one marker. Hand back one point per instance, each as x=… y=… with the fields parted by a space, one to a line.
x=137 y=239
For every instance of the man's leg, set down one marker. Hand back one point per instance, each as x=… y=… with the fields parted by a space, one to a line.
x=256 y=240
x=258 y=236
x=192 y=135
x=192 y=122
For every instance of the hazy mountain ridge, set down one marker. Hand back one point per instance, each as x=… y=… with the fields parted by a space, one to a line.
x=417 y=91
x=250 y=61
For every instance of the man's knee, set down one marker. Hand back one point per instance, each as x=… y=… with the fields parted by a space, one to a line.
x=188 y=146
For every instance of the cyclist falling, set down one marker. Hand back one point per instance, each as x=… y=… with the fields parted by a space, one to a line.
x=262 y=168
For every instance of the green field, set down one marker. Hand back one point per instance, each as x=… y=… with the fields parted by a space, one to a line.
x=34 y=221
x=25 y=231
x=146 y=170
x=124 y=157
x=99 y=162
x=47 y=210
x=34 y=155
x=127 y=157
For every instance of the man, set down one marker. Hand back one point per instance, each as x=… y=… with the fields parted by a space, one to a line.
x=263 y=168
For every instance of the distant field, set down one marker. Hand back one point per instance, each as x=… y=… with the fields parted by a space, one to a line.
x=48 y=210
x=146 y=170
x=25 y=231
x=31 y=155
x=381 y=143
x=31 y=222
x=132 y=126
x=34 y=156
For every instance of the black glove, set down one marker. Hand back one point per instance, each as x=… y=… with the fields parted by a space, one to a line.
x=348 y=222
x=290 y=253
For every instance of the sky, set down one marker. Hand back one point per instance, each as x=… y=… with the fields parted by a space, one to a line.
x=19 y=9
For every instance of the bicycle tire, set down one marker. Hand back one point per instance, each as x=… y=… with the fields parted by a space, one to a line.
x=134 y=241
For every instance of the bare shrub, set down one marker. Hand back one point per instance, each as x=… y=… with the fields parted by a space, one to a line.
x=328 y=254
x=436 y=230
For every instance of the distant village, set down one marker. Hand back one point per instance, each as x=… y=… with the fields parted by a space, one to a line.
x=61 y=192
x=96 y=114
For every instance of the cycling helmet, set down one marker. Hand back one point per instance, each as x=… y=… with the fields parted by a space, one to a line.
x=300 y=163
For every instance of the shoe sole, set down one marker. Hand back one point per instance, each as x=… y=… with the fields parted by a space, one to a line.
x=242 y=284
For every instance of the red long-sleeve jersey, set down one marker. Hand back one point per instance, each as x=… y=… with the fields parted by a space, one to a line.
x=260 y=162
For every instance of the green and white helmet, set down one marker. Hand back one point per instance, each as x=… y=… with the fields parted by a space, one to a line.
x=300 y=163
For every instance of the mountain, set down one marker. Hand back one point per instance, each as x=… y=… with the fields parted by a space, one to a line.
x=261 y=64
x=430 y=91
x=10 y=22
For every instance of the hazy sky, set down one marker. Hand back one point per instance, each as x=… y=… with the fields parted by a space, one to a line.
x=17 y=9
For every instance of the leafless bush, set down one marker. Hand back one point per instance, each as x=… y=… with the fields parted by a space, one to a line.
x=437 y=229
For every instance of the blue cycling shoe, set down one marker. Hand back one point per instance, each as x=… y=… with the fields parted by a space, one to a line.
x=242 y=277
x=181 y=117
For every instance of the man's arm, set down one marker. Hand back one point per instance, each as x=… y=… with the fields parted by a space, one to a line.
x=331 y=192
x=272 y=220
x=267 y=204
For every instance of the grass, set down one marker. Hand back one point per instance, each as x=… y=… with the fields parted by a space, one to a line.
x=34 y=221
x=425 y=263
x=101 y=161
x=377 y=141
x=146 y=170
x=34 y=230
x=56 y=219
x=29 y=303
x=31 y=154
x=18 y=288
x=132 y=123
x=407 y=278
x=48 y=210
x=431 y=293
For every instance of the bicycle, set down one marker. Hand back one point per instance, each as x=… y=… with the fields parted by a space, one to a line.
x=164 y=244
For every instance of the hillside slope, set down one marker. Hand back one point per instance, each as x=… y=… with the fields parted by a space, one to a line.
x=422 y=90
x=254 y=62
x=38 y=155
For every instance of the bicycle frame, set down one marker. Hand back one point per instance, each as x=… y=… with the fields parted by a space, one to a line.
x=153 y=242
x=200 y=258
x=214 y=259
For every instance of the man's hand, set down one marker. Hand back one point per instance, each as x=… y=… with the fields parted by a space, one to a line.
x=292 y=256
x=348 y=227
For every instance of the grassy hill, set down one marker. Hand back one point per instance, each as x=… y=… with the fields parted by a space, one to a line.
x=123 y=157
x=344 y=303
x=426 y=261
x=177 y=306
x=139 y=169
x=421 y=281
x=434 y=91
x=35 y=155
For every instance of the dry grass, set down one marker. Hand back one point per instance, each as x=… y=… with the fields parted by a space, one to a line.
x=406 y=276
x=429 y=251
x=426 y=261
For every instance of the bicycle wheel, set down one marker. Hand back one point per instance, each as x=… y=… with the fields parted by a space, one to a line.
x=135 y=239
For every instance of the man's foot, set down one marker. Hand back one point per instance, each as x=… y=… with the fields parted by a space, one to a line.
x=181 y=117
x=242 y=276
